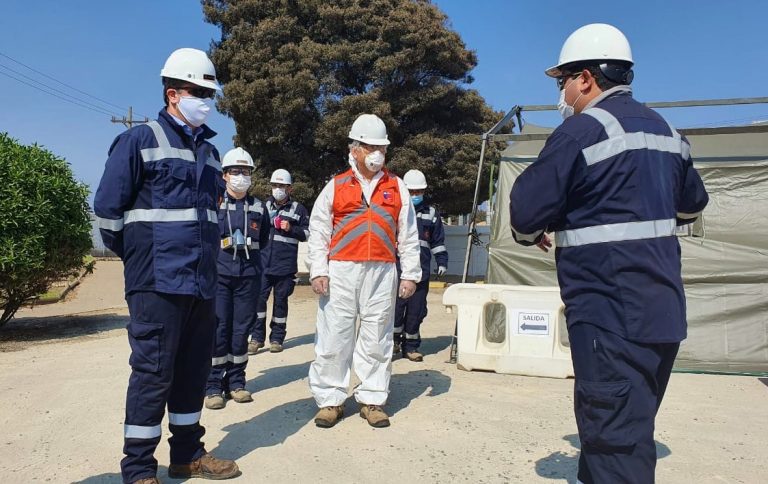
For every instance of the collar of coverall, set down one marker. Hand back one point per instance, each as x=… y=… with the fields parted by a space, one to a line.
x=608 y=93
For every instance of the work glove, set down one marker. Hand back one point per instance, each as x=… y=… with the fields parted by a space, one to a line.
x=441 y=270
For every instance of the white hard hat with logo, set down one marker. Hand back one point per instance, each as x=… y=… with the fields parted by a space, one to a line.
x=369 y=129
x=281 y=176
x=237 y=157
x=593 y=42
x=415 y=180
x=191 y=65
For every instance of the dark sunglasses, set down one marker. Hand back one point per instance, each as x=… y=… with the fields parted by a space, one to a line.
x=199 y=92
x=563 y=79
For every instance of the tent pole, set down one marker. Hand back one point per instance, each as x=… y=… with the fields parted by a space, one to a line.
x=471 y=225
x=470 y=234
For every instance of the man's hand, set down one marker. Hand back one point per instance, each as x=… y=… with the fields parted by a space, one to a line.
x=320 y=285
x=441 y=270
x=407 y=288
x=545 y=243
x=285 y=225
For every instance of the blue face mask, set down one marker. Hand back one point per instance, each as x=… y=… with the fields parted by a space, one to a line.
x=417 y=199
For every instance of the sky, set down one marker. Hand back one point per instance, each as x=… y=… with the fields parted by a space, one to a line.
x=683 y=49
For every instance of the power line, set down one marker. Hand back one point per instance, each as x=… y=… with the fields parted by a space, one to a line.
x=62 y=83
x=99 y=110
x=56 y=90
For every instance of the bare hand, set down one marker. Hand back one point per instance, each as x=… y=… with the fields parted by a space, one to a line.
x=320 y=285
x=285 y=225
x=545 y=243
x=407 y=288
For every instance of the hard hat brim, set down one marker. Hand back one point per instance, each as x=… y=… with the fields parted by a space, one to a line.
x=372 y=141
x=416 y=187
x=554 y=71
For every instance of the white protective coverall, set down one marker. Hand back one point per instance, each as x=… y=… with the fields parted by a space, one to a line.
x=364 y=289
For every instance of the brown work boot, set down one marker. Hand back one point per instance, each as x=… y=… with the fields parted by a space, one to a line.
x=414 y=356
x=148 y=480
x=214 y=402
x=241 y=395
x=327 y=417
x=254 y=347
x=206 y=467
x=375 y=415
x=275 y=347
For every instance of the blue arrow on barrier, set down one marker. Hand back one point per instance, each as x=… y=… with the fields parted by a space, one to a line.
x=533 y=327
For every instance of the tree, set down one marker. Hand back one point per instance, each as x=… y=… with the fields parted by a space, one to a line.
x=44 y=227
x=298 y=73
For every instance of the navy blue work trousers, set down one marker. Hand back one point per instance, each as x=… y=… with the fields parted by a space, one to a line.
x=235 y=306
x=617 y=392
x=409 y=314
x=171 y=341
x=283 y=288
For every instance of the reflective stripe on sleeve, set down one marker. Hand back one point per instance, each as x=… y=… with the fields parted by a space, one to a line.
x=527 y=237
x=688 y=216
x=287 y=240
x=424 y=243
x=438 y=249
x=115 y=225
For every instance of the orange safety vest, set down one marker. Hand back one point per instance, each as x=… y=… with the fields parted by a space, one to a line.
x=363 y=232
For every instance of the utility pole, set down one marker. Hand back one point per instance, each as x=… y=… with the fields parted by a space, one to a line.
x=129 y=121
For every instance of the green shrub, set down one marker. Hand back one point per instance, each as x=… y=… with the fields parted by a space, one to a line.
x=45 y=230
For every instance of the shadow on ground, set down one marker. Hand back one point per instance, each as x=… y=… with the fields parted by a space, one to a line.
x=115 y=477
x=23 y=332
x=266 y=429
x=561 y=465
x=432 y=346
x=277 y=376
x=405 y=388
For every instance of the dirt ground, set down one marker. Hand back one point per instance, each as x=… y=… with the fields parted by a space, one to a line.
x=64 y=368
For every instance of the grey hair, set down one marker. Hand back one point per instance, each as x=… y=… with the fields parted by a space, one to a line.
x=354 y=144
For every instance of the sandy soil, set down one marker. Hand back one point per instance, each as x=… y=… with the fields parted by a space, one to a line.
x=64 y=368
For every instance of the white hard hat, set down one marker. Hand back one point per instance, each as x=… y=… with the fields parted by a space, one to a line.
x=237 y=157
x=415 y=180
x=281 y=176
x=191 y=65
x=593 y=42
x=369 y=129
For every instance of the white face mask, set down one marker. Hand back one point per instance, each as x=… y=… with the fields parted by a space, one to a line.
x=195 y=110
x=374 y=161
x=279 y=194
x=239 y=183
x=566 y=110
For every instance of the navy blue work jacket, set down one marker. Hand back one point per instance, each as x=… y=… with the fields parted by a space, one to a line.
x=156 y=208
x=431 y=238
x=613 y=183
x=279 y=259
x=237 y=263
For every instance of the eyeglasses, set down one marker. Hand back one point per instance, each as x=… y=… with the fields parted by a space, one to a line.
x=370 y=148
x=239 y=171
x=563 y=79
x=197 y=91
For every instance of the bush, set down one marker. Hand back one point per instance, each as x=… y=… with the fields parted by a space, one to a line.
x=45 y=230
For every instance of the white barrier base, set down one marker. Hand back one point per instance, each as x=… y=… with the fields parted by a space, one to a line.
x=528 y=335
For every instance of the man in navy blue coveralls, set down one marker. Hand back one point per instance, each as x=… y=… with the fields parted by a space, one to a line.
x=612 y=182
x=289 y=225
x=156 y=208
x=410 y=313
x=244 y=232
